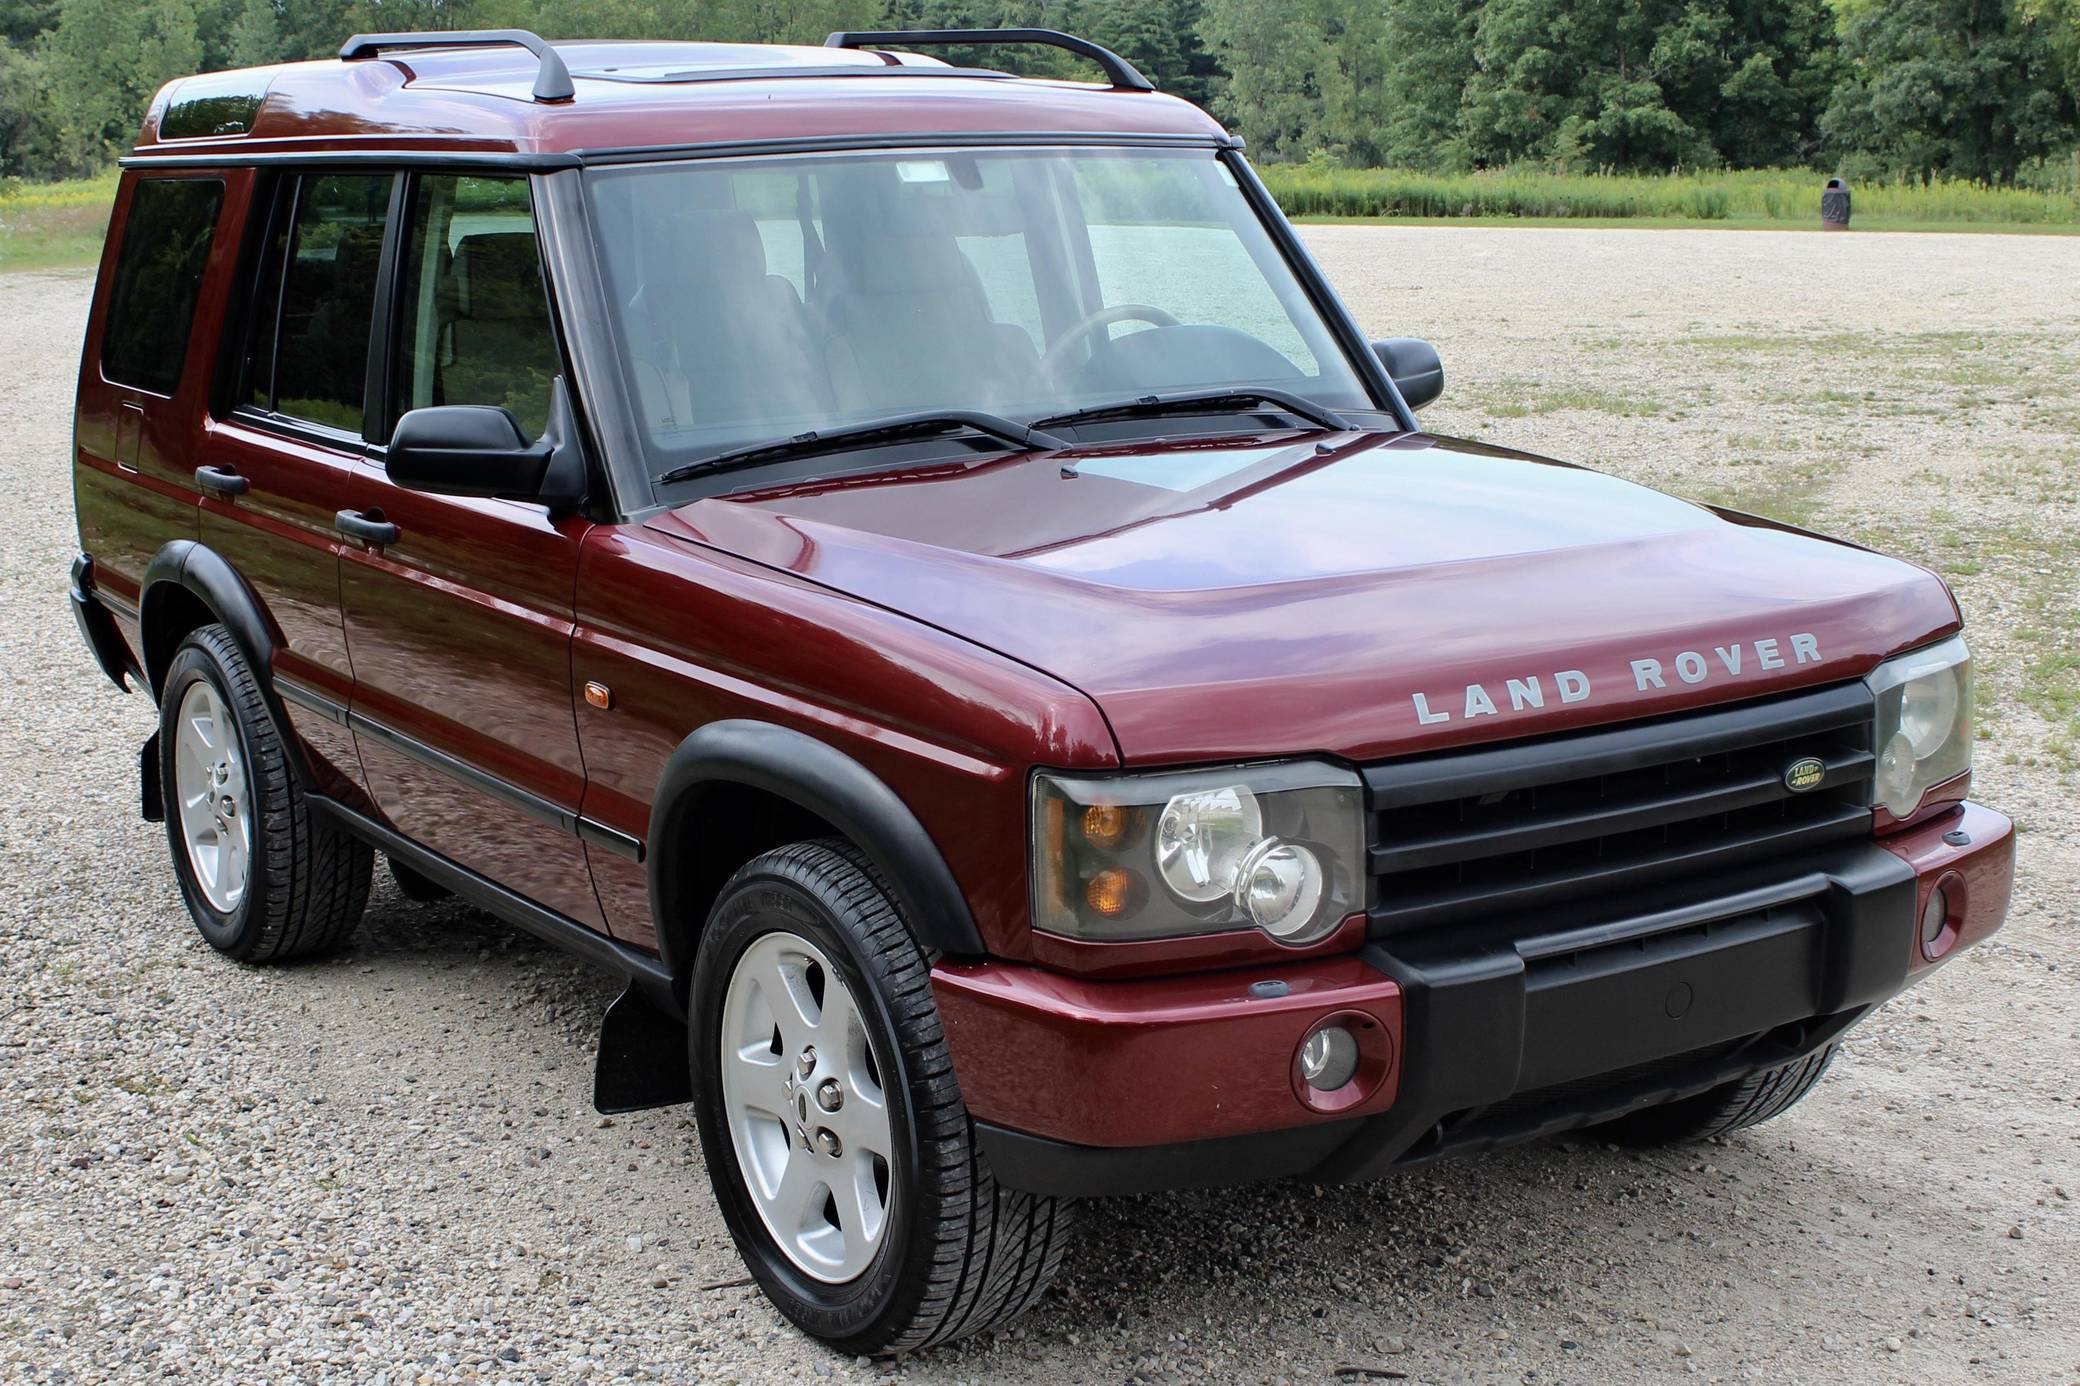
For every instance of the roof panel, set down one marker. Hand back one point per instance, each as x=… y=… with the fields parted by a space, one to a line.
x=481 y=98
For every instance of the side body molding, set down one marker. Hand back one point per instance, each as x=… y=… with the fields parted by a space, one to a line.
x=185 y=571
x=821 y=780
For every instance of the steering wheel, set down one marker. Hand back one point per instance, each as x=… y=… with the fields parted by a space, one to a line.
x=1097 y=322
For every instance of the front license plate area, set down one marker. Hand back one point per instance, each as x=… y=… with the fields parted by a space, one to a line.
x=1644 y=999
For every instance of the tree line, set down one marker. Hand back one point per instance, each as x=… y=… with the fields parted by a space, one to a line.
x=1978 y=89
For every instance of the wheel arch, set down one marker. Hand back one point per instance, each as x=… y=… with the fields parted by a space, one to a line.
x=808 y=785
x=188 y=585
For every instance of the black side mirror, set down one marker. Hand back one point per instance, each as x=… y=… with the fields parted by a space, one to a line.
x=1415 y=368
x=479 y=450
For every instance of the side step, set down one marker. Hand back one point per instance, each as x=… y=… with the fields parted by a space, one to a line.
x=642 y=1041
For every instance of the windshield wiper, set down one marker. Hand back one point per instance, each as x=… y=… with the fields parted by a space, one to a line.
x=1148 y=406
x=893 y=429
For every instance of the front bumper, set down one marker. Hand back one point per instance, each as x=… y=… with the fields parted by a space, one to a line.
x=1492 y=1035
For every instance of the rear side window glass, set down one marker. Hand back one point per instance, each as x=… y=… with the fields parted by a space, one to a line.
x=474 y=317
x=314 y=365
x=166 y=241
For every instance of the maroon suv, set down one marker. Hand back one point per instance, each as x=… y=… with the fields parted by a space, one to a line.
x=916 y=570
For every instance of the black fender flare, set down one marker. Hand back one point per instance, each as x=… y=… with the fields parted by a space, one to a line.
x=822 y=780
x=208 y=576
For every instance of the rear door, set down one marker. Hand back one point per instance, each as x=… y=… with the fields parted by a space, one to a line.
x=143 y=371
x=460 y=620
x=277 y=459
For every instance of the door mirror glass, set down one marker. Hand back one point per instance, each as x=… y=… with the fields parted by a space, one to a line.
x=1415 y=367
x=467 y=450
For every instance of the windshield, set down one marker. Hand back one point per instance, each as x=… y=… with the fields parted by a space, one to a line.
x=761 y=299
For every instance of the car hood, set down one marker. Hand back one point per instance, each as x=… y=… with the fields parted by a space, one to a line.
x=1362 y=595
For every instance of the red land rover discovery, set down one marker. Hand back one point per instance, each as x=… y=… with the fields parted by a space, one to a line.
x=916 y=570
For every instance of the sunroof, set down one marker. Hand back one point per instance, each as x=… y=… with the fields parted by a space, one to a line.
x=220 y=103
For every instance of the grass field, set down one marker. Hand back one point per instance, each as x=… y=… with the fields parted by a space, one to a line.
x=53 y=225
x=1774 y=198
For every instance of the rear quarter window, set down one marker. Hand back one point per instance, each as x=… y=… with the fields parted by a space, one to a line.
x=166 y=242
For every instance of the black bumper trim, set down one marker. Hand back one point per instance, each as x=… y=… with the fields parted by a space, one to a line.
x=1499 y=1026
x=1039 y=1165
x=97 y=627
x=1507 y=1040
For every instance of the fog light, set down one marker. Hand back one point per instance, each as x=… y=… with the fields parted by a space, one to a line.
x=1938 y=934
x=1329 y=1058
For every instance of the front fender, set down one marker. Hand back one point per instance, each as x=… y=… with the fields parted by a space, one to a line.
x=824 y=781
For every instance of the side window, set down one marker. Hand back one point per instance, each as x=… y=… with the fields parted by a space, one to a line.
x=166 y=241
x=474 y=319
x=318 y=286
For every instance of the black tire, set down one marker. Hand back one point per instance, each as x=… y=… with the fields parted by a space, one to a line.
x=962 y=1254
x=307 y=883
x=1725 y=1109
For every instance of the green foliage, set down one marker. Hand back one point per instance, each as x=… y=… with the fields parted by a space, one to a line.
x=1452 y=84
x=1979 y=89
x=1968 y=88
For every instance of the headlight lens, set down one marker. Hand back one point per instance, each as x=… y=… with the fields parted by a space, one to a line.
x=1277 y=847
x=1924 y=732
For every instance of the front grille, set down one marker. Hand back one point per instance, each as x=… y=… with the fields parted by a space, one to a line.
x=1531 y=824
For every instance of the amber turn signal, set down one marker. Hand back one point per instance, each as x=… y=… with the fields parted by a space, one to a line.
x=1110 y=892
x=1105 y=825
x=598 y=694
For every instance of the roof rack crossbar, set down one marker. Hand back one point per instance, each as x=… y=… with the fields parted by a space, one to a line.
x=1121 y=72
x=551 y=83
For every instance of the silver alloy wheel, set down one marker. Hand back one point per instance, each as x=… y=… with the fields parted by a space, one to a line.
x=801 y=1091
x=209 y=777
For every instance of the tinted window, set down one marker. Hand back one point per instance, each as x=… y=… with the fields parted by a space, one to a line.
x=317 y=366
x=166 y=241
x=474 y=321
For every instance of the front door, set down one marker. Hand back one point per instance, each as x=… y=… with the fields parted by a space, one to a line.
x=459 y=617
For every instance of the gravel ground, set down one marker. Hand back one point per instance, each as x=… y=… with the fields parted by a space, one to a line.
x=385 y=1167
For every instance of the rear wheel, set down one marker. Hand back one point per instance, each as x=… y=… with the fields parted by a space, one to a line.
x=842 y=1155
x=263 y=878
x=1725 y=1109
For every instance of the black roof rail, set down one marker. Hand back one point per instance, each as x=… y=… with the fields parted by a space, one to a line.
x=1121 y=72
x=551 y=83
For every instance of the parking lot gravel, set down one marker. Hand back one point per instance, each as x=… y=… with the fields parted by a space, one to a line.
x=384 y=1167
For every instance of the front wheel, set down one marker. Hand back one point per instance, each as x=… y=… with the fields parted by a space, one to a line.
x=841 y=1153
x=1730 y=1107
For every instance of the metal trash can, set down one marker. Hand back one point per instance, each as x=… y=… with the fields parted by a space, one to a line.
x=1834 y=205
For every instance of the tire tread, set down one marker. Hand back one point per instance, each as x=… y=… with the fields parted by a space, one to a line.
x=311 y=880
x=995 y=1249
x=1735 y=1106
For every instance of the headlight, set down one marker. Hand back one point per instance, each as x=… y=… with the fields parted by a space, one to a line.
x=1924 y=733
x=1277 y=847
